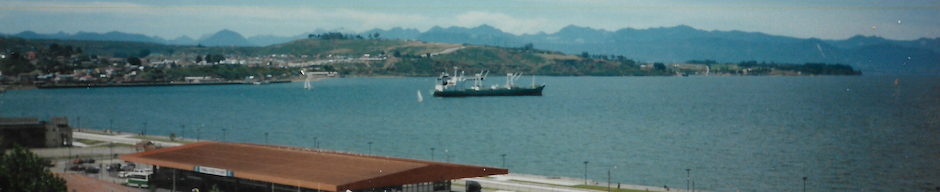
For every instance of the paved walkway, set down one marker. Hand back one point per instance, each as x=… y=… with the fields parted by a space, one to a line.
x=119 y=138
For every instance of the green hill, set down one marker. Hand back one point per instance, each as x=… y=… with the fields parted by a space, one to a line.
x=385 y=58
x=414 y=58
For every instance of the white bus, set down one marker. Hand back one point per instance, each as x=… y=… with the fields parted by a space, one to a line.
x=138 y=179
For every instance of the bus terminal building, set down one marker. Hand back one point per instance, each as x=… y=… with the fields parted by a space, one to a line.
x=252 y=167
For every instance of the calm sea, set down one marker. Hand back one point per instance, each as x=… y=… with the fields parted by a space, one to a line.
x=863 y=133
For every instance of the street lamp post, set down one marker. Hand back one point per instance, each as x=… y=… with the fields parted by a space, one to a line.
x=145 y=129
x=432 y=153
x=182 y=131
x=265 y=138
x=585 y=172
x=111 y=125
x=504 y=160
x=804 y=184
x=688 y=174
x=223 y=134
x=315 y=144
x=370 y=147
x=447 y=155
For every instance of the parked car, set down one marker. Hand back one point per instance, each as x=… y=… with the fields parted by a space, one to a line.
x=91 y=169
x=78 y=161
x=114 y=167
x=128 y=168
x=77 y=168
x=89 y=160
x=49 y=162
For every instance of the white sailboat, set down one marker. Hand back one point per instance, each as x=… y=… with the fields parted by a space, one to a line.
x=419 y=96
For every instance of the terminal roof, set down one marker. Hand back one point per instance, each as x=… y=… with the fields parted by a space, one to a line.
x=307 y=168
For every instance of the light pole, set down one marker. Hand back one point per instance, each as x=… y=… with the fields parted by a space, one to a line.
x=608 y=179
x=265 y=138
x=315 y=144
x=447 y=155
x=804 y=184
x=145 y=129
x=432 y=153
x=111 y=125
x=370 y=147
x=182 y=131
x=585 y=172
x=504 y=160
x=688 y=173
x=223 y=134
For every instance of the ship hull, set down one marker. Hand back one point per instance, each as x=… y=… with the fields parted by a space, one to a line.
x=534 y=91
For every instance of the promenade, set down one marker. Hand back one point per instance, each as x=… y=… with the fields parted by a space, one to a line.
x=98 y=148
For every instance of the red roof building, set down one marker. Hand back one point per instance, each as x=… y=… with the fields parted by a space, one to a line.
x=251 y=167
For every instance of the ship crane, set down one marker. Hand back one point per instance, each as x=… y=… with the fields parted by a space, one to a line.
x=478 y=79
x=307 y=81
x=511 y=79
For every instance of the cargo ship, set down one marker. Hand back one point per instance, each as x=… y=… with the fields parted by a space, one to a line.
x=447 y=86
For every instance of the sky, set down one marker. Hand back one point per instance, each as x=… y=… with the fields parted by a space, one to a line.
x=168 y=19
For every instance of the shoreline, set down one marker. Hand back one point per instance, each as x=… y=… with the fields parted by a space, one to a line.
x=12 y=87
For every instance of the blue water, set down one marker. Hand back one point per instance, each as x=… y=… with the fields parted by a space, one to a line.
x=734 y=133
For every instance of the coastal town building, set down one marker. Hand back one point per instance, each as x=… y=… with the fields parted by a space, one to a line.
x=252 y=167
x=33 y=133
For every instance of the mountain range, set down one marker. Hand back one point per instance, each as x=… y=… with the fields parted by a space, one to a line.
x=664 y=44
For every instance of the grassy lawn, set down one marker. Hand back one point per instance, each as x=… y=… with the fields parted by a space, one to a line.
x=88 y=142
x=604 y=188
x=592 y=187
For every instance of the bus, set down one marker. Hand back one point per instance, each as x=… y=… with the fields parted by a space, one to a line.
x=137 y=179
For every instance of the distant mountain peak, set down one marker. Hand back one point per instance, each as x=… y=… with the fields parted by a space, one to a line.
x=224 y=37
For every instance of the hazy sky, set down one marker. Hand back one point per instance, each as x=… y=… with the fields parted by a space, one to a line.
x=830 y=19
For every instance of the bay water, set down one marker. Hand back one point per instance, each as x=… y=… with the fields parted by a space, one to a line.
x=855 y=133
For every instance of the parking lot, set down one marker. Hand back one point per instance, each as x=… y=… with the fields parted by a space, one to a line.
x=103 y=173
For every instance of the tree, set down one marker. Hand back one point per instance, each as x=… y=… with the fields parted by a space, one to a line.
x=15 y=64
x=659 y=66
x=134 y=60
x=22 y=170
x=143 y=53
x=527 y=47
x=214 y=58
x=376 y=35
x=585 y=54
x=198 y=58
